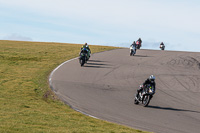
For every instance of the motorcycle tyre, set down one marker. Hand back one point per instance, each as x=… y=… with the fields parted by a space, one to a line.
x=82 y=62
x=132 y=53
x=136 y=101
x=146 y=100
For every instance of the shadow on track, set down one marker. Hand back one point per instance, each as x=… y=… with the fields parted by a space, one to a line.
x=172 y=109
x=95 y=61
x=96 y=64
x=142 y=56
x=100 y=64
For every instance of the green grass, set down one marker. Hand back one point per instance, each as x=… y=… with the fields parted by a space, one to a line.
x=26 y=102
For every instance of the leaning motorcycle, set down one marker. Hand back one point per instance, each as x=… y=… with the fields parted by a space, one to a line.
x=82 y=58
x=138 y=45
x=132 y=51
x=144 y=97
x=162 y=47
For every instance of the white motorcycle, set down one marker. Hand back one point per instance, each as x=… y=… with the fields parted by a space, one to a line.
x=132 y=50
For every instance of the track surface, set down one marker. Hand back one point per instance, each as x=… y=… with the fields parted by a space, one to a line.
x=106 y=85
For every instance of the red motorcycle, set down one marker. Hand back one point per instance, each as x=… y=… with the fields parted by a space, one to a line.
x=138 y=44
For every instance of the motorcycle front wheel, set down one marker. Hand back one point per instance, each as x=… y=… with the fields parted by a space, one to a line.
x=136 y=101
x=131 y=52
x=146 y=100
x=82 y=62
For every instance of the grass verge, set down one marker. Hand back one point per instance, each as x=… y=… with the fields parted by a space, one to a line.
x=26 y=101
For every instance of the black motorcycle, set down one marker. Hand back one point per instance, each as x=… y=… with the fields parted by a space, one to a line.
x=82 y=58
x=145 y=96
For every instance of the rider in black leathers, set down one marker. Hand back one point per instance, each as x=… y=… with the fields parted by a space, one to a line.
x=161 y=44
x=134 y=44
x=151 y=81
x=83 y=50
x=140 y=40
x=85 y=47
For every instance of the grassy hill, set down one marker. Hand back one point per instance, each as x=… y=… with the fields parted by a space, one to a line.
x=26 y=102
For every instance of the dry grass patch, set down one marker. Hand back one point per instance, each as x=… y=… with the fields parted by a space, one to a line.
x=26 y=101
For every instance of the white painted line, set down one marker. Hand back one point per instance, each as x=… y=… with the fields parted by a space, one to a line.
x=58 y=68
x=50 y=77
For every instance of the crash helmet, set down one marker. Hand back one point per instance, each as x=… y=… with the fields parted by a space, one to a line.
x=152 y=78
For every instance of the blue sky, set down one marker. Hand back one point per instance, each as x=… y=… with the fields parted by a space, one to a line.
x=104 y=22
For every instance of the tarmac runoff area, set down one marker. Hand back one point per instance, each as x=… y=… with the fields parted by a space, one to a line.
x=105 y=87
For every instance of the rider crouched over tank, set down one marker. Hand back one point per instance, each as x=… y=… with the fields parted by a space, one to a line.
x=150 y=81
x=162 y=46
x=133 y=49
x=85 y=48
x=139 y=43
x=146 y=91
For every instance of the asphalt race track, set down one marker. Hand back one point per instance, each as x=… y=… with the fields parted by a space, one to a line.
x=106 y=85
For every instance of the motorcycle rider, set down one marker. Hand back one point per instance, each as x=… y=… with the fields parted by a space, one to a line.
x=84 y=50
x=162 y=44
x=83 y=56
x=151 y=81
x=134 y=46
x=87 y=48
x=140 y=40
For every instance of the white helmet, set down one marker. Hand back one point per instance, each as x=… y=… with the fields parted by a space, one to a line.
x=152 y=78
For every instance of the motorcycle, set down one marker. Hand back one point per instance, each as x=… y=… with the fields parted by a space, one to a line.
x=145 y=96
x=132 y=50
x=162 y=47
x=138 y=45
x=83 y=57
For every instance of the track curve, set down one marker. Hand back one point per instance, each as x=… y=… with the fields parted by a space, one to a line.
x=106 y=85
